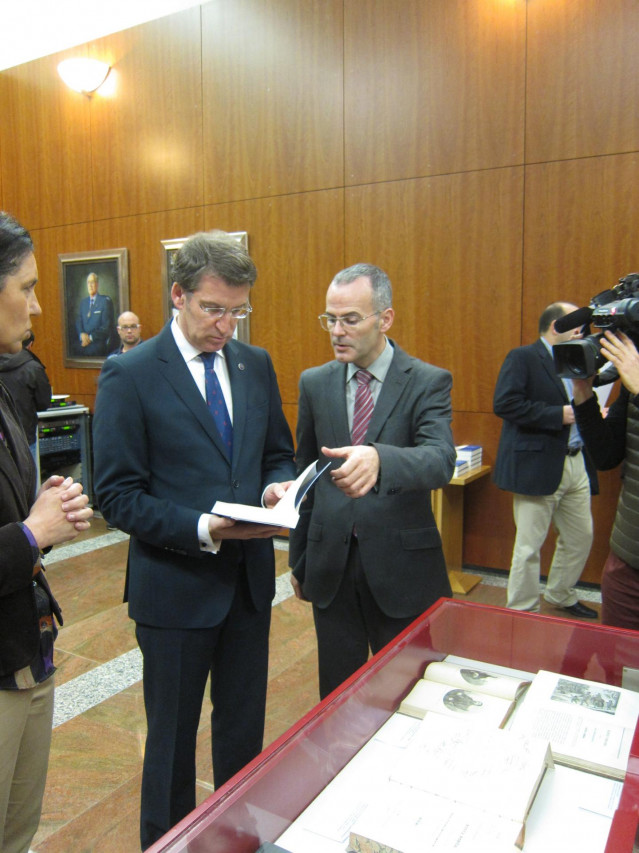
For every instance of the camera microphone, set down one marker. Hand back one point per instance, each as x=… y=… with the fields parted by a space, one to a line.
x=573 y=320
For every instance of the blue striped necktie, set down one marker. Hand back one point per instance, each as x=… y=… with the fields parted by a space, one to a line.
x=216 y=403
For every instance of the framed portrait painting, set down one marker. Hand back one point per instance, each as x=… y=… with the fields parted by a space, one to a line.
x=169 y=250
x=94 y=288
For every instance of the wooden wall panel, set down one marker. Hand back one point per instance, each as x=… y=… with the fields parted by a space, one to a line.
x=45 y=155
x=297 y=243
x=432 y=86
x=273 y=97
x=452 y=247
x=147 y=138
x=582 y=84
x=581 y=227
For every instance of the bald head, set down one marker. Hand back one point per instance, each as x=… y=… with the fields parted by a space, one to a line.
x=129 y=330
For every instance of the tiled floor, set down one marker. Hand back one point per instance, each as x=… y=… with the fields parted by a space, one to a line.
x=93 y=786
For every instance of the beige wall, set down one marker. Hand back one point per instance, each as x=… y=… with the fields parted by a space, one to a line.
x=484 y=152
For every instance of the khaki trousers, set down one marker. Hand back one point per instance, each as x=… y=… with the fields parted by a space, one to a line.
x=569 y=511
x=26 y=718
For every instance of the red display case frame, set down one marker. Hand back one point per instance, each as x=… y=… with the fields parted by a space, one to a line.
x=259 y=803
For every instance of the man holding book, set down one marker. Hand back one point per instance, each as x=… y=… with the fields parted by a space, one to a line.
x=204 y=422
x=366 y=551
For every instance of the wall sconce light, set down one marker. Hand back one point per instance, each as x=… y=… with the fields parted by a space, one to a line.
x=83 y=75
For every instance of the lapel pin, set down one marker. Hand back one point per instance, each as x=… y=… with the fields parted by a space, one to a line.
x=240 y=366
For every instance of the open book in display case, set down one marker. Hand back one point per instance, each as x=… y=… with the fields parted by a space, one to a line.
x=261 y=802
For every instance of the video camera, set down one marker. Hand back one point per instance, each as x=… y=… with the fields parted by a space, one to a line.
x=616 y=309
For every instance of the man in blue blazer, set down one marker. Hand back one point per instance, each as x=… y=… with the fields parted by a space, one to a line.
x=366 y=551
x=95 y=325
x=541 y=459
x=199 y=586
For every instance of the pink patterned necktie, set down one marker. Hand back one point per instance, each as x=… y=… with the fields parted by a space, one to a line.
x=364 y=405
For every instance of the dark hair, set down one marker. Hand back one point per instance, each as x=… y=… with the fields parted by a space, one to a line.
x=15 y=245
x=212 y=253
x=380 y=283
x=550 y=314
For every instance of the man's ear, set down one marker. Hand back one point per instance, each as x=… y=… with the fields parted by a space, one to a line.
x=178 y=296
x=386 y=319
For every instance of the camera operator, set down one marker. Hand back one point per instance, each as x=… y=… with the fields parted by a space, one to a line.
x=540 y=459
x=610 y=441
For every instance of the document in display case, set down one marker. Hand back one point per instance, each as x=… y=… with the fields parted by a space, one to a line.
x=262 y=803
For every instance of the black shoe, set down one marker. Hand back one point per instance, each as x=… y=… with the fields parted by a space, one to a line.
x=581 y=611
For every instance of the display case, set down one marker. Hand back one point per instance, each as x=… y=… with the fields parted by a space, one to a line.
x=258 y=804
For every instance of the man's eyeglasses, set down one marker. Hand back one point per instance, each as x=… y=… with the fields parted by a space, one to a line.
x=131 y=328
x=348 y=321
x=216 y=313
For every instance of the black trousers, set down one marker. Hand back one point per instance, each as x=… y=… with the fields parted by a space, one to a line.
x=350 y=626
x=177 y=663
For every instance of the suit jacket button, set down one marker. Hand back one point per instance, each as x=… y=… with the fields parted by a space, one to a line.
x=236 y=484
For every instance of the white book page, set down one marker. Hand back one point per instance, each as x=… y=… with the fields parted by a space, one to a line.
x=591 y=722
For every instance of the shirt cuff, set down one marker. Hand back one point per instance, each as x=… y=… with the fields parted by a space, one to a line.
x=207 y=544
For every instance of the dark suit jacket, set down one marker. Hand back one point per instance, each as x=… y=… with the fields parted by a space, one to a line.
x=529 y=397
x=160 y=463
x=19 y=626
x=99 y=322
x=399 y=543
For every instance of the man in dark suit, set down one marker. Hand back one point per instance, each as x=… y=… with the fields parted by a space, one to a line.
x=366 y=551
x=541 y=460
x=27 y=608
x=199 y=586
x=94 y=323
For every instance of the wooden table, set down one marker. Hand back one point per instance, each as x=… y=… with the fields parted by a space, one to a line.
x=448 y=507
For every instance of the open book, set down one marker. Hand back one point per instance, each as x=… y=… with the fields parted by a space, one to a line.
x=455 y=789
x=461 y=691
x=590 y=725
x=286 y=513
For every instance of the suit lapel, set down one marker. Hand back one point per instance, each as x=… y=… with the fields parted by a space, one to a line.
x=335 y=405
x=15 y=477
x=549 y=367
x=239 y=380
x=396 y=380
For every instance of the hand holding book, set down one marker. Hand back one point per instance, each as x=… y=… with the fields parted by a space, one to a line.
x=285 y=513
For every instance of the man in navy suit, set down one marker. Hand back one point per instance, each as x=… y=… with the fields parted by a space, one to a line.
x=199 y=586
x=542 y=460
x=366 y=551
x=94 y=323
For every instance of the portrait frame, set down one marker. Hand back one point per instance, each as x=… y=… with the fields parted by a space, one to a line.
x=111 y=266
x=169 y=250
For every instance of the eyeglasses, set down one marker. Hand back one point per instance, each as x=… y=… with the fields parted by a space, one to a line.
x=130 y=328
x=349 y=321
x=216 y=313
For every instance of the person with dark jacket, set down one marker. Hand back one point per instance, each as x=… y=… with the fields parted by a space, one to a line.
x=27 y=606
x=24 y=375
x=542 y=461
x=614 y=440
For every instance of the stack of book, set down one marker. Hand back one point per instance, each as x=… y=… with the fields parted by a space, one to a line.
x=461 y=467
x=470 y=453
